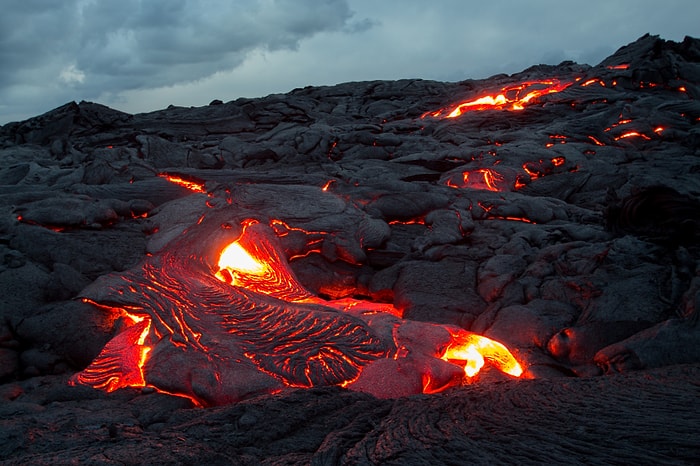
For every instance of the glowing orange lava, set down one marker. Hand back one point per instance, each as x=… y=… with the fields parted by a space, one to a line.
x=514 y=97
x=253 y=265
x=483 y=178
x=258 y=268
x=473 y=350
x=56 y=228
x=124 y=358
x=237 y=260
x=412 y=221
x=632 y=134
x=622 y=66
x=593 y=81
x=239 y=267
x=595 y=141
x=216 y=328
x=192 y=185
x=542 y=167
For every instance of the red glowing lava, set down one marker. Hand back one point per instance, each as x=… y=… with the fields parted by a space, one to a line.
x=473 y=350
x=482 y=178
x=217 y=326
x=514 y=97
x=622 y=66
x=186 y=182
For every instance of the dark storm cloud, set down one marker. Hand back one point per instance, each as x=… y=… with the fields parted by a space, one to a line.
x=136 y=43
x=142 y=55
x=94 y=46
x=31 y=31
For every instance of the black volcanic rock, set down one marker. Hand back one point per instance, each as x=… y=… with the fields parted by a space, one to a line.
x=568 y=230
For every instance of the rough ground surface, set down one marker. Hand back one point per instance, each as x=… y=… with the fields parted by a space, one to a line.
x=568 y=230
x=621 y=419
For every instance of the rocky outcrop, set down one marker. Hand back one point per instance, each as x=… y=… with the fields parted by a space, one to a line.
x=567 y=229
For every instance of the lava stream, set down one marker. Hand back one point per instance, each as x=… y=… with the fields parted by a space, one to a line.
x=218 y=326
x=514 y=97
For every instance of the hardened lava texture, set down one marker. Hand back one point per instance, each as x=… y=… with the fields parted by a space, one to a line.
x=555 y=210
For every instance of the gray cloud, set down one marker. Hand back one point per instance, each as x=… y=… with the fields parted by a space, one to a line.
x=142 y=55
x=29 y=34
x=133 y=44
x=88 y=47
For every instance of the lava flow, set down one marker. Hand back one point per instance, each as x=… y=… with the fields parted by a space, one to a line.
x=218 y=315
x=514 y=97
x=482 y=178
x=184 y=181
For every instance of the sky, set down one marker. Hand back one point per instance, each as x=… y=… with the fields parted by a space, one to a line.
x=143 y=55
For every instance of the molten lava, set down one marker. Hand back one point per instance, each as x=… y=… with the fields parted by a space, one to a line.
x=483 y=178
x=474 y=349
x=234 y=257
x=186 y=182
x=217 y=327
x=514 y=97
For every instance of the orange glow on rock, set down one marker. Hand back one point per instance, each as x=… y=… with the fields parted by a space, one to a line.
x=255 y=266
x=622 y=66
x=559 y=137
x=542 y=167
x=192 y=185
x=593 y=81
x=595 y=141
x=512 y=219
x=473 y=350
x=56 y=228
x=282 y=228
x=531 y=173
x=632 y=134
x=234 y=259
x=482 y=178
x=412 y=221
x=120 y=363
x=514 y=97
x=520 y=182
x=240 y=322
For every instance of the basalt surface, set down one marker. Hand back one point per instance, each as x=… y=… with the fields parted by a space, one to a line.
x=556 y=210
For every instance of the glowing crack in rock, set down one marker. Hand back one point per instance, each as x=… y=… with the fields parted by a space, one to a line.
x=483 y=178
x=218 y=315
x=187 y=183
x=516 y=97
x=513 y=97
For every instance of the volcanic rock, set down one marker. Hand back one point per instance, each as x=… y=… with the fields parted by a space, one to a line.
x=564 y=226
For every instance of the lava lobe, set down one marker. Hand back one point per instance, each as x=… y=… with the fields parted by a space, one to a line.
x=218 y=315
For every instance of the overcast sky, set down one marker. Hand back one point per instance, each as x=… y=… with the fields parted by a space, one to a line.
x=143 y=55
